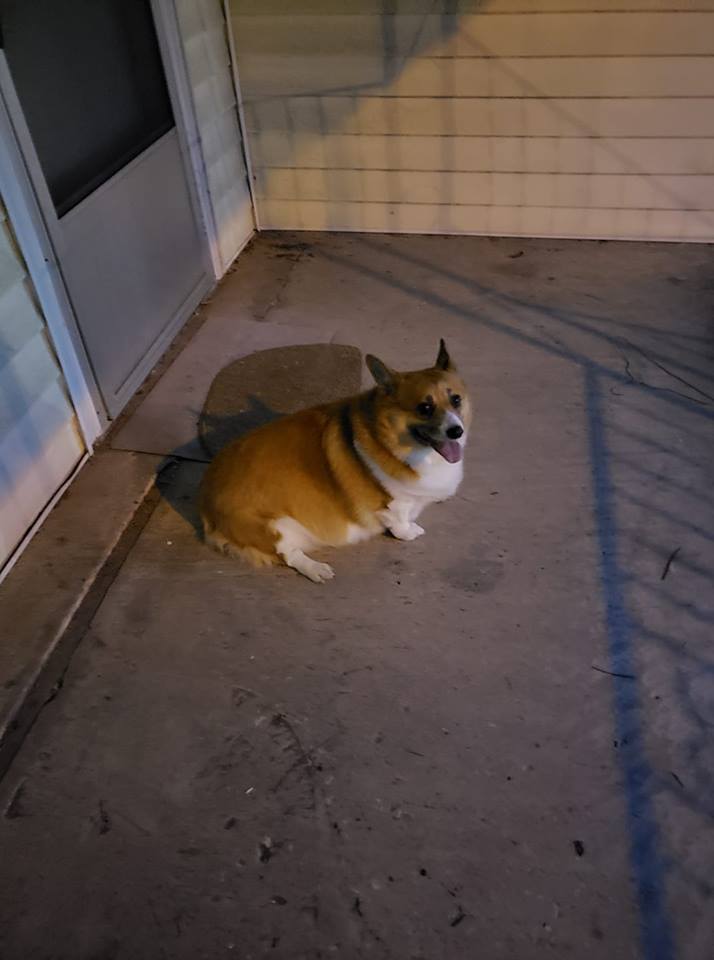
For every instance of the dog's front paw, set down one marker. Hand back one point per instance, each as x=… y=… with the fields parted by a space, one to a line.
x=406 y=531
x=317 y=572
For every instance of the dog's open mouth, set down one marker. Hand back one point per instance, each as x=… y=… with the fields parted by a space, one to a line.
x=450 y=450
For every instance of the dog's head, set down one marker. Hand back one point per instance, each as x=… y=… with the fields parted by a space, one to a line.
x=423 y=409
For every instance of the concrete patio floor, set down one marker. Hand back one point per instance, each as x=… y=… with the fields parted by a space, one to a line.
x=494 y=742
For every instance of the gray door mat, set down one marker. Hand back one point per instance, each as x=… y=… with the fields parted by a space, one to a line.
x=166 y=421
x=255 y=389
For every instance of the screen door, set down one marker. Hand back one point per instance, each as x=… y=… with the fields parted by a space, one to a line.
x=92 y=92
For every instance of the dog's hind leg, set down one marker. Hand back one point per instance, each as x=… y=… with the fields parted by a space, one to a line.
x=254 y=544
x=292 y=538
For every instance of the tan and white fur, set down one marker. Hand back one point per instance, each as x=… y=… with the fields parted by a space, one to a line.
x=342 y=472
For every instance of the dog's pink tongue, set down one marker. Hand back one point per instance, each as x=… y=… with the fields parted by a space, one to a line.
x=450 y=450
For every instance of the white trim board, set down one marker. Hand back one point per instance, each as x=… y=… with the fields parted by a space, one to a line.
x=241 y=113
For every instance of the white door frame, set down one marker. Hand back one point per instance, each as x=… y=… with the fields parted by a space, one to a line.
x=30 y=229
x=31 y=212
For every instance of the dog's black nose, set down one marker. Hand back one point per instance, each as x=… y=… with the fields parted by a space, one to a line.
x=453 y=433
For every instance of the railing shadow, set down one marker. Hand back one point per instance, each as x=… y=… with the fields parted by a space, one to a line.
x=646 y=474
x=624 y=487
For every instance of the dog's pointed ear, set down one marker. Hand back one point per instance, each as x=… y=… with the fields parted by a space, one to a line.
x=383 y=376
x=443 y=360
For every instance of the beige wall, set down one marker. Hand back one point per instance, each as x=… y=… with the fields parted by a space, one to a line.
x=533 y=117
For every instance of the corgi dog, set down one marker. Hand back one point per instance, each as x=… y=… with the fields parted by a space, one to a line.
x=341 y=472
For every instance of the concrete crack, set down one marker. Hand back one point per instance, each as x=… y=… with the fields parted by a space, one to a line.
x=262 y=312
x=708 y=398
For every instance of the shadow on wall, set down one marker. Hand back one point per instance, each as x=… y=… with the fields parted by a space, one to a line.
x=473 y=117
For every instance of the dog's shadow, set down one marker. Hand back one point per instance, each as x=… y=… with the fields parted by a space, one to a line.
x=177 y=485
x=217 y=430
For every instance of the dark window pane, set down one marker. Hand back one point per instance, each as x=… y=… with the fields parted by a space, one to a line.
x=90 y=80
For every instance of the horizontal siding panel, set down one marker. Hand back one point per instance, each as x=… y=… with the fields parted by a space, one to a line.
x=11 y=270
x=568 y=6
x=562 y=34
x=275 y=74
x=484 y=154
x=213 y=98
x=190 y=18
x=671 y=33
x=309 y=34
x=36 y=456
x=39 y=442
x=484 y=116
x=24 y=378
x=288 y=8
x=19 y=321
x=203 y=33
x=498 y=189
x=504 y=221
x=212 y=88
x=272 y=75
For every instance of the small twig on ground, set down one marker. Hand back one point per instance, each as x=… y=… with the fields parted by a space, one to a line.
x=668 y=564
x=613 y=673
x=457 y=916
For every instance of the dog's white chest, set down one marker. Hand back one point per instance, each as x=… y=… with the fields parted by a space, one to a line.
x=437 y=478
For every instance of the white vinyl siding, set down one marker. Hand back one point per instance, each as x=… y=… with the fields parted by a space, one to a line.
x=530 y=117
x=204 y=37
x=39 y=439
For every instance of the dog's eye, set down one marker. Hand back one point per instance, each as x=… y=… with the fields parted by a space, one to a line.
x=455 y=400
x=426 y=409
